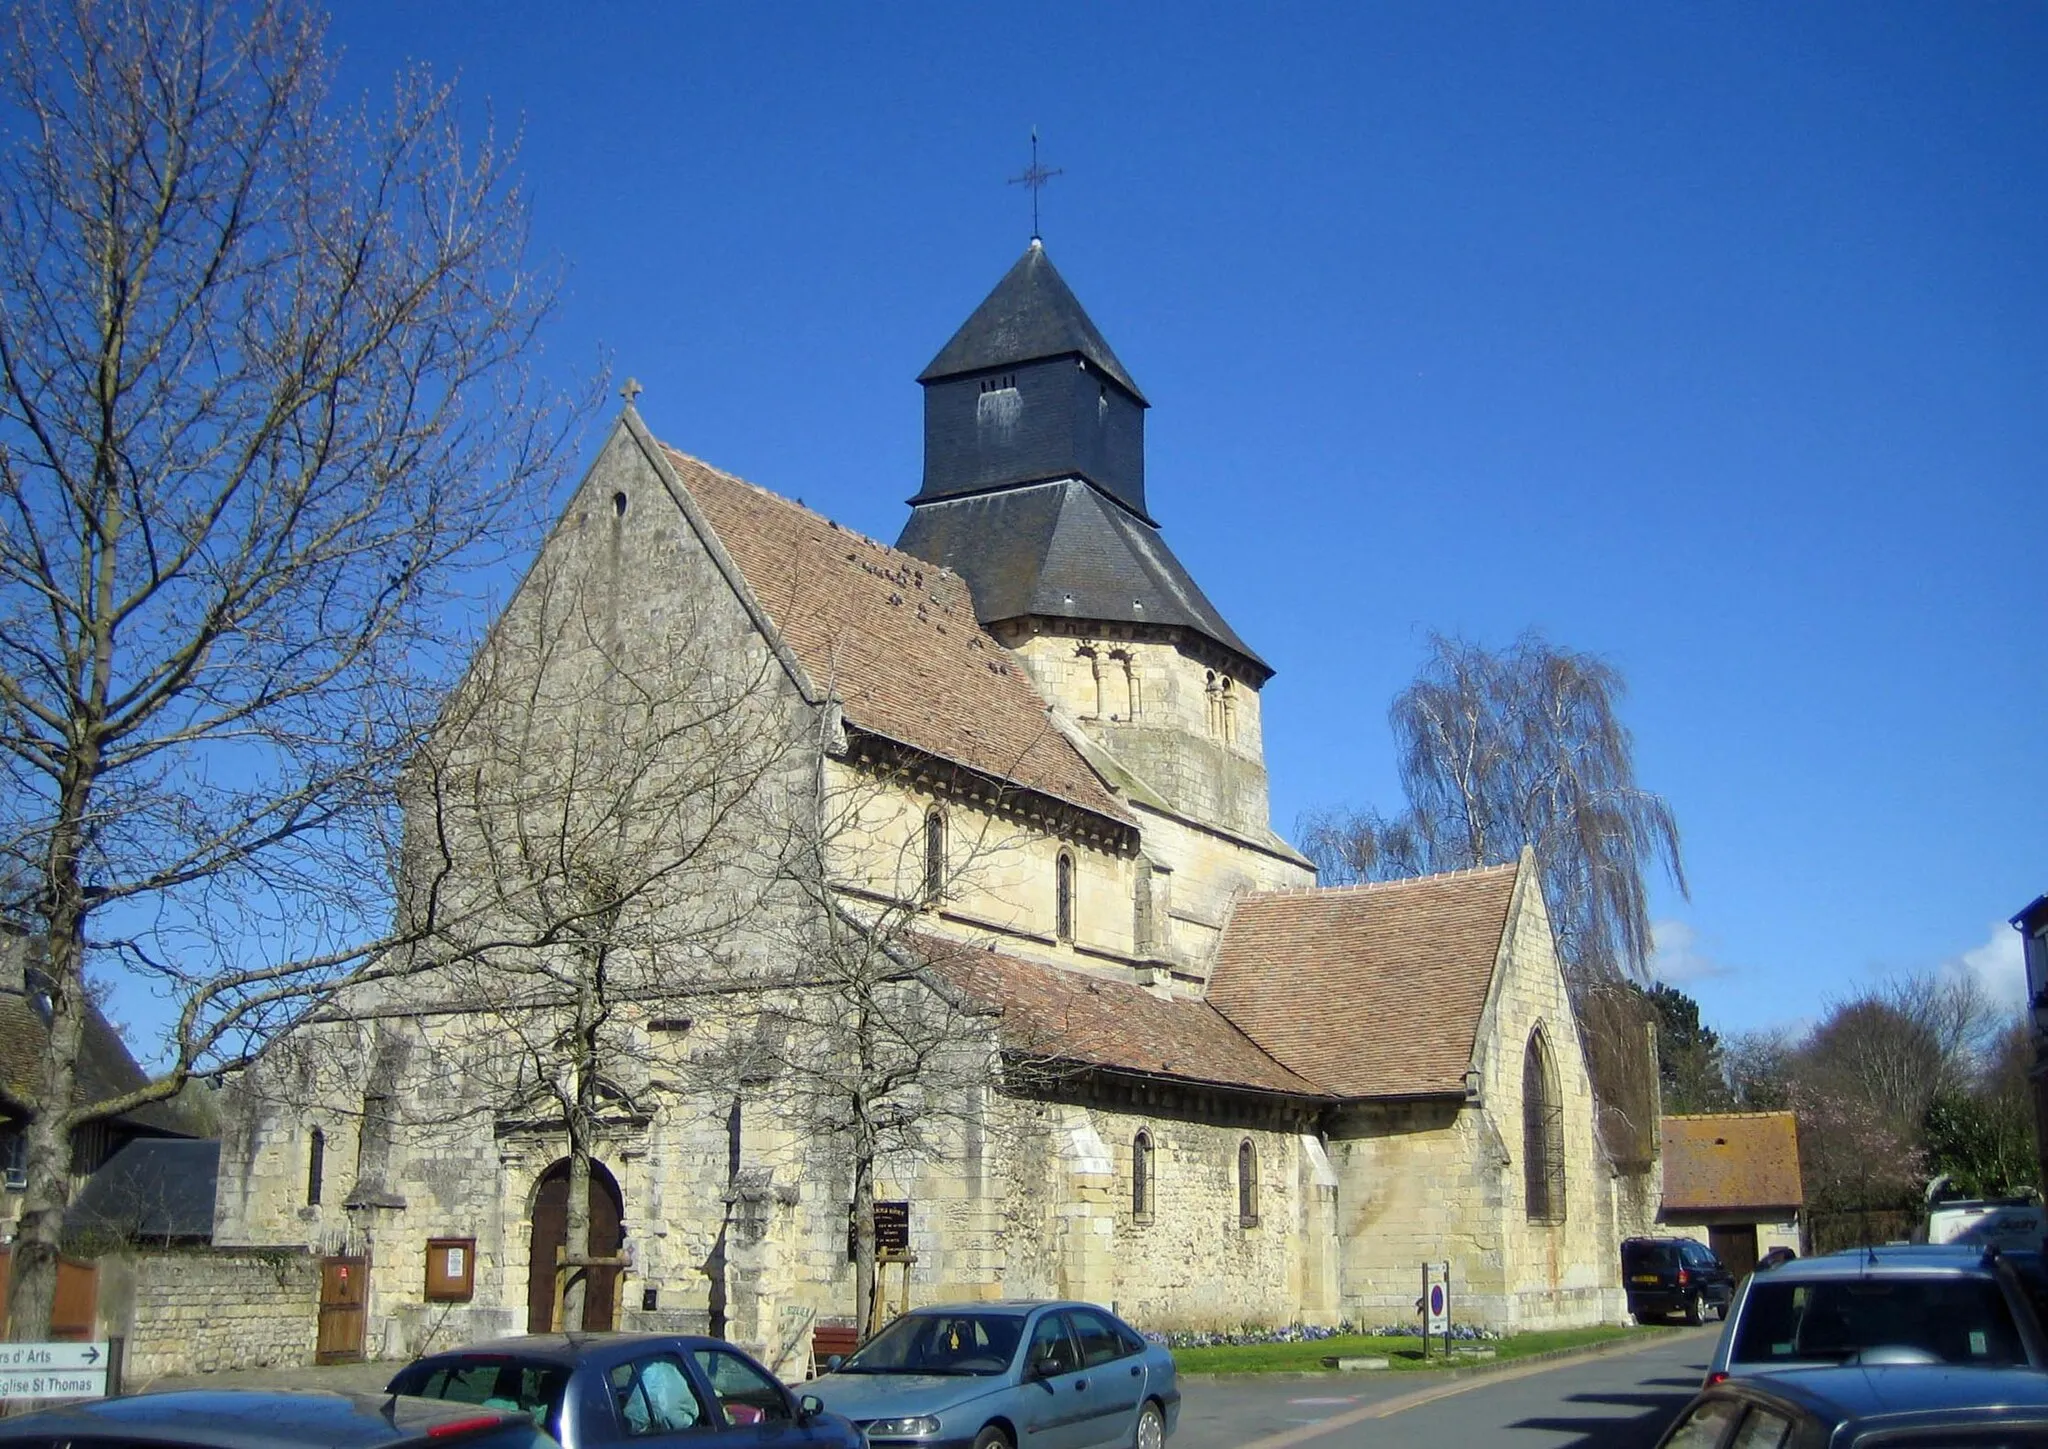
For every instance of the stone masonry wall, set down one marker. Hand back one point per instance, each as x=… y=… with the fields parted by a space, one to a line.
x=197 y=1311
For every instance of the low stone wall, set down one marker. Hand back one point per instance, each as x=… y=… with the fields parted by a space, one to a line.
x=205 y=1309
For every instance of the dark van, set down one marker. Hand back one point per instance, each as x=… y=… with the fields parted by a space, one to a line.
x=1666 y=1276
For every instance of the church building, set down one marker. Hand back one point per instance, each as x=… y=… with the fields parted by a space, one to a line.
x=1027 y=749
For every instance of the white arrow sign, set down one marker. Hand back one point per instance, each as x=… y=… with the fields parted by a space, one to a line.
x=53 y=1370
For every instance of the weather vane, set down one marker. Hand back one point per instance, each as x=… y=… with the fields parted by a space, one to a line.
x=1035 y=176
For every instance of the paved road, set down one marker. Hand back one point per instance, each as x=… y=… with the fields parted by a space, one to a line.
x=1616 y=1401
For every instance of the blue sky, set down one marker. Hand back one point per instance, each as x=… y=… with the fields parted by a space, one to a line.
x=1709 y=338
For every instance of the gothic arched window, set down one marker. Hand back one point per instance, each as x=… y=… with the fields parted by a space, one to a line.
x=1141 y=1176
x=934 y=855
x=316 y=1166
x=1542 y=1133
x=1063 y=903
x=1247 y=1184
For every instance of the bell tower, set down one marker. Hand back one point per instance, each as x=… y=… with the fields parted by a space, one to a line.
x=1034 y=492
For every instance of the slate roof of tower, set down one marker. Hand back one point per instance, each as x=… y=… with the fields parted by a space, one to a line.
x=894 y=638
x=1031 y=314
x=1076 y=1017
x=1061 y=549
x=1372 y=990
x=1727 y=1160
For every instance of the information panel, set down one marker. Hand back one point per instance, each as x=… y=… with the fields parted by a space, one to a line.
x=53 y=1370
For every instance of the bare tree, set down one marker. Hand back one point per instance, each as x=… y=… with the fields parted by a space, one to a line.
x=262 y=399
x=1520 y=747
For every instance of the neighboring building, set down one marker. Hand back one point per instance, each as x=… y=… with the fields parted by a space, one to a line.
x=1230 y=1097
x=2032 y=924
x=1731 y=1179
x=105 y=1069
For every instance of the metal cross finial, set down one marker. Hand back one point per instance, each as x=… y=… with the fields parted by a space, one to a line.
x=1035 y=176
x=631 y=390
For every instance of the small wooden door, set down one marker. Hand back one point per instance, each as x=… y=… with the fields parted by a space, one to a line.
x=344 y=1285
x=1735 y=1247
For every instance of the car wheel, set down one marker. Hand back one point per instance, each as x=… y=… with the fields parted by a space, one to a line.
x=1692 y=1310
x=1151 y=1432
x=992 y=1437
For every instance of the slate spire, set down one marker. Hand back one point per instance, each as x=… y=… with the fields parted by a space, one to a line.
x=1031 y=316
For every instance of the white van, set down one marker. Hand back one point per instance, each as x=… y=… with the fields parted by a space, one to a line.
x=1999 y=1222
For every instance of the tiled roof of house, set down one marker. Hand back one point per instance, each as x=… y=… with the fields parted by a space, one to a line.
x=1068 y=1016
x=895 y=638
x=105 y=1067
x=1731 y=1160
x=1371 y=990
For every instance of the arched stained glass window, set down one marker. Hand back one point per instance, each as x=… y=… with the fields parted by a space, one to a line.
x=1141 y=1176
x=1247 y=1184
x=934 y=856
x=1542 y=1133
x=1063 y=918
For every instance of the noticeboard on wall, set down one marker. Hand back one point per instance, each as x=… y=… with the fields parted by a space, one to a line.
x=451 y=1270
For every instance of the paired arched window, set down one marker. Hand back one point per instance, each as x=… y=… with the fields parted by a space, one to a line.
x=1542 y=1133
x=1247 y=1184
x=1063 y=897
x=934 y=856
x=316 y=1166
x=1141 y=1176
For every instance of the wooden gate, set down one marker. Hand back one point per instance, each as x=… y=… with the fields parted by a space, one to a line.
x=344 y=1285
x=1735 y=1247
x=76 y=1311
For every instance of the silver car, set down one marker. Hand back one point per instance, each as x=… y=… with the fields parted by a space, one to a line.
x=1891 y=1305
x=1017 y=1375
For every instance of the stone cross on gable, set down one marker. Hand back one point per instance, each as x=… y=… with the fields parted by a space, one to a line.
x=631 y=391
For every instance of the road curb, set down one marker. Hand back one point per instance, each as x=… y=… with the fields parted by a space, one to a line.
x=1613 y=1346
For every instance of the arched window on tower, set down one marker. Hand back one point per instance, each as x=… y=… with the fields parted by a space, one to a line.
x=1226 y=703
x=1247 y=1184
x=934 y=856
x=1088 y=654
x=1542 y=1133
x=1063 y=897
x=1141 y=1176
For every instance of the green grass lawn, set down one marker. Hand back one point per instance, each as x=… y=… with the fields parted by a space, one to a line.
x=1400 y=1353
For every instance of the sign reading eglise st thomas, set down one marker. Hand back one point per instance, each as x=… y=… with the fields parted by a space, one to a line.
x=53 y=1370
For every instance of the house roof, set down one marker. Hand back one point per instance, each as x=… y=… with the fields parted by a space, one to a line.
x=1073 y=1016
x=895 y=638
x=1063 y=550
x=152 y=1187
x=105 y=1067
x=1370 y=990
x=1030 y=315
x=1716 y=1162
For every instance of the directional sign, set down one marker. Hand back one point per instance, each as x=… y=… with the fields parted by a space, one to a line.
x=53 y=1370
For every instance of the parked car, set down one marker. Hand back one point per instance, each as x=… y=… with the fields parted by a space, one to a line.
x=1905 y=1406
x=271 y=1419
x=1890 y=1305
x=592 y=1389
x=1665 y=1276
x=1020 y=1375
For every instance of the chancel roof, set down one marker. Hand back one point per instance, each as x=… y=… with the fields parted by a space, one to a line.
x=1068 y=1017
x=1729 y=1160
x=1062 y=550
x=1370 y=990
x=895 y=638
x=1032 y=314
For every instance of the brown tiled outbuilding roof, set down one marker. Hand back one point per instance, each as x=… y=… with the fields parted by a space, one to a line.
x=1370 y=990
x=895 y=638
x=1068 y=1016
x=1728 y=1160
x=105 y=1068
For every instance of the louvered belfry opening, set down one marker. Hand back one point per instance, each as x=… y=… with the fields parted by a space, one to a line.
x=1542 y=1133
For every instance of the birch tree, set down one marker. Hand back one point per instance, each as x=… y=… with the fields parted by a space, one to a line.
x=264 y=401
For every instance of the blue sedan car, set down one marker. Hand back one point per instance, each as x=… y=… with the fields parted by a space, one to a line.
x=1007 y=1376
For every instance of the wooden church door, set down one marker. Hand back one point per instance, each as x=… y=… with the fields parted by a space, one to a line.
x=551 y=1235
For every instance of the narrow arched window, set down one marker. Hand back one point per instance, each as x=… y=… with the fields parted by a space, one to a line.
x=1063 y=904
x=934 y=856
x=1141 y=1176
x=1542 y=1133
x=1247 y=1184
x=316 y=1166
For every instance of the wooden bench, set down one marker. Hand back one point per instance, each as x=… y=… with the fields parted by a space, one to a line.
x=828 y=1339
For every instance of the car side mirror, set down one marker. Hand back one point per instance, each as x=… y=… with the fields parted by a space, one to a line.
x=832 y=1362
x=808 y=1408
x=1046 y=1368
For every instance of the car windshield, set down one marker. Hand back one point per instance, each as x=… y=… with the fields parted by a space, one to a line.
x=976 y=1344
x=492 y=1381
x=1953 y=1320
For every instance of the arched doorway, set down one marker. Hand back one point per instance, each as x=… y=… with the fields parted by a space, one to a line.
x=551 y=1234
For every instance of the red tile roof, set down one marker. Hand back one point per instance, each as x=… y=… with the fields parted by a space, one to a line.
x=1072 y=1016
x=894 y=638
x=1372 y=990
x=1726 y=1160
